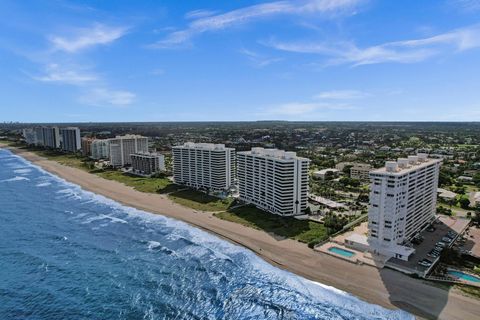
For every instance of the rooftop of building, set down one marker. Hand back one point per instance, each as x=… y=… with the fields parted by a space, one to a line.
x=273 y=153
x=203 y=146
x=128 y=136
x=147 y=154
x=406 y=165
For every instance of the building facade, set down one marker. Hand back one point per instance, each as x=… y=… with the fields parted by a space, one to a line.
x=204 y=165
x=70 y=139
x=100 y=149
x=87 y=146
x=147 y=163
x=48 y=137
x=121 y=147
x=403 y=200
x=273 y=180
x=360 y=171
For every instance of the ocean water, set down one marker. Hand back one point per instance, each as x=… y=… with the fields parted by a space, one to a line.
x=66 y=253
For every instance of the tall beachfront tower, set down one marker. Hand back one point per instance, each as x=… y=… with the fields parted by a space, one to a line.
x=403 y=200
x=273 y=180
x=204 y=165
x=122 y=147
x=70 y=139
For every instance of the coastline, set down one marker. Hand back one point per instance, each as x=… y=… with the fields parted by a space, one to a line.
x=387 y=288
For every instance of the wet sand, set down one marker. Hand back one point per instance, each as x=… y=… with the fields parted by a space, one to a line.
x=387 y=288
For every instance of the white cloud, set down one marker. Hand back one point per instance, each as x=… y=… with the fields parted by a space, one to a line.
x=107 y=97
x=254 y=12
x=466 y=5
x=408 y=51
x=196 y=14
x=84 y=38
x=303 y=108
x=342 y=95
x=257 y=59
x=56 y=74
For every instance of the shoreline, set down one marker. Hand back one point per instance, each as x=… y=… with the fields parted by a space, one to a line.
x=387 y=288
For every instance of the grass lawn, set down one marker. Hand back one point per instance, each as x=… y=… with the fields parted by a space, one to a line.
x=149 y=185
x=200 y=201
x=289 y=227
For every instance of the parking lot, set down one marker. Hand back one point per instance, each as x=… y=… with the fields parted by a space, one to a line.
x=442 y=227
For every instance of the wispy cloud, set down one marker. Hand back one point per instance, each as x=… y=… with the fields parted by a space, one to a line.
x=84 y=38
x=408 y=51
x=107 y=97
x=57 y=74
x=258 y=60
x=196 y=14
x=466 y=5
x=342 y=95
x=251 y=13
x=324 y=101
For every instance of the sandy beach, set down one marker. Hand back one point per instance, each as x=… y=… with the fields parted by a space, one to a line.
x=385 y=287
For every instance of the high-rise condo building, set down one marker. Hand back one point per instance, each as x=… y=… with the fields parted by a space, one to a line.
x=70 y=139
x=273 y=180
x=121 y=147
x=204 y=165
x=43 y=137
x=87 y=146
x=100 y=149
x=51 y=137
x=147 y=163
x=403 y=200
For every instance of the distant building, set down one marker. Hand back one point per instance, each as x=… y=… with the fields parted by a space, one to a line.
x=273 y=180
x=403 y=200
x=51 y=137
x=204 y=165
x=29 y=136
x=360 y=171
x=100 y=149
x=48 y=137
x=121 y=147
x=321 y=174
x=87 y=146
x=147 y=163
x=70 y=139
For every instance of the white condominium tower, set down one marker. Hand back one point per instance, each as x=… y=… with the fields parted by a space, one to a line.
x=43 y=136
x=70 y=139
x=204 y=165
x=273 y=180
x=403 y=200
x=121 y=147
x=100 y=149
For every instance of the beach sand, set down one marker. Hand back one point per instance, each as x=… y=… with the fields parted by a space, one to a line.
x=385 y=287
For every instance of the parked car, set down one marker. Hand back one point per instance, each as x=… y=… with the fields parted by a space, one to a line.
x=441 y=244
x=446 y=239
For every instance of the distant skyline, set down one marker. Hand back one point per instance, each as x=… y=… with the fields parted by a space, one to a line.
x=299 y=60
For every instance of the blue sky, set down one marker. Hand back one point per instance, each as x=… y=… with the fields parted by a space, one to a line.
x=77 y=61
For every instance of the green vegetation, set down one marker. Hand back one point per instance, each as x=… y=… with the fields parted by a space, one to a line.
x=200 y=201
x=149 y=185
x=288 y=227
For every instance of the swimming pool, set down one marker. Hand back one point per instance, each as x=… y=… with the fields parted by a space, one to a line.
x=341 y=252
x=464 y=276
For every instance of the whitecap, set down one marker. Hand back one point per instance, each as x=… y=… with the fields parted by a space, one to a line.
x=17 y=178
x=43 y=184
x=22 y=171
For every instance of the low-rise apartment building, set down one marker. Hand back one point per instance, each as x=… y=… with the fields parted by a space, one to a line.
x=147 y=163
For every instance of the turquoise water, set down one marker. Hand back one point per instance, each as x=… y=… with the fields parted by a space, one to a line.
x=341 y=252
x=464 y=276
x=66 y=253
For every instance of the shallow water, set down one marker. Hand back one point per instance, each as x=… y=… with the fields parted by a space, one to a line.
x=66 y=253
